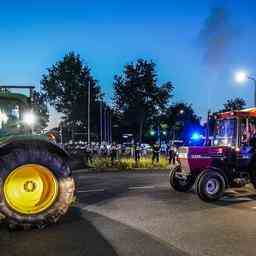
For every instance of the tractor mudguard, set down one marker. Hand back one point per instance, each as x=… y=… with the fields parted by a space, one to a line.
x=12 y=142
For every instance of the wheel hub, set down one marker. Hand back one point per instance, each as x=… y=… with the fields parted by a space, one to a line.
x=29 y=186
x=30 y=189
x=212 y=186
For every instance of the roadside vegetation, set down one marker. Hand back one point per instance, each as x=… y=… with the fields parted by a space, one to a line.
x=129 y=163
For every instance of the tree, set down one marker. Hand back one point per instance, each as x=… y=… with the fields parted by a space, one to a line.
x=40 y=109
x=234 y=104
x=66 y=88
x=182 y=121
x=138 y=98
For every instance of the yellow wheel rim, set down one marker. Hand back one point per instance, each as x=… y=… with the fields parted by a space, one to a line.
x=30 y=189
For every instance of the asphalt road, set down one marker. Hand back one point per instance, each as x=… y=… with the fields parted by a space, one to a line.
x=138 y=214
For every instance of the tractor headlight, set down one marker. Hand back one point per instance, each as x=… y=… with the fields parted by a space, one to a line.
x=29 y=118
x=182 y=155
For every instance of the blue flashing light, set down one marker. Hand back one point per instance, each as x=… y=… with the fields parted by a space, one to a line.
x=196 y=136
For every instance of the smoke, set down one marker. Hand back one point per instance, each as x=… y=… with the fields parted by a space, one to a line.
x=216 y=38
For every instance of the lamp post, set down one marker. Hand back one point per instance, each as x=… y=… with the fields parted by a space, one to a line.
x=101 y=131
x=105 y=123
x=110 y=127
x=89 y=113
x=241 y=76
x=180 y=113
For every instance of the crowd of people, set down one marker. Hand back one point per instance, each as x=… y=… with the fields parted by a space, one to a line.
x=116 y=151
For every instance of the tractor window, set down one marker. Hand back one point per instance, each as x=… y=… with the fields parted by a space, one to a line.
x=225 y=134
x=248 y=131
x=9 y=118
x=251 y=137
x=244 y=133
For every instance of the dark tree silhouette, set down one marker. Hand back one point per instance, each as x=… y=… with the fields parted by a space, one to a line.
x=182 y=121
x=234 y=104
x=40 y=108
x=66 y=88
x=138 y=98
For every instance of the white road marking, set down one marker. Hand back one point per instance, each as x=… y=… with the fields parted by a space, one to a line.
x=236 y=199
x=141 y=187
x=91 y=191
x=163 y=186
x=80 y=171
x=129 y=188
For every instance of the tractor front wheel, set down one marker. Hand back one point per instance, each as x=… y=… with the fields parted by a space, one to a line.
x=210 y=185
x=36 y=187
x=180 y=182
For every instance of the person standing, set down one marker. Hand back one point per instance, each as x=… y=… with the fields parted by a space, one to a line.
x=156 y=152
x=137 y=152
x=172 y=154
x=113 y=153
x=104 y=151
x=88 y=155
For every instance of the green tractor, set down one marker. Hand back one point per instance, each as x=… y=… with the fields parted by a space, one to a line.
x=36 y=184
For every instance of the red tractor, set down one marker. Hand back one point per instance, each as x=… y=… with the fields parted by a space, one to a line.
x=228 y=160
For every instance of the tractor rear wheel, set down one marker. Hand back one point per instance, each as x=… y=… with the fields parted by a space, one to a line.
x=36 y=187
x=210 y=185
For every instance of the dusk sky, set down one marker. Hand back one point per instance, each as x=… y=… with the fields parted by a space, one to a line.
x=109 y=34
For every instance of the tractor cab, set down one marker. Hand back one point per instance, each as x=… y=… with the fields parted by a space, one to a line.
x=36 y=186
x=15 y=110
x=235 y=129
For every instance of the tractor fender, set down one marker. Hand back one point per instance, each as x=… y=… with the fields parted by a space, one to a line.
x=13 y=143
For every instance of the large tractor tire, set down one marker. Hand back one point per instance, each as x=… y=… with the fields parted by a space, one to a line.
x=36 y=187
x=179 y=182
x=210 y=185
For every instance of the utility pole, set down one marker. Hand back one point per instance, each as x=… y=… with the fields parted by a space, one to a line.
x=110 y=129
x=242 y=76
x=254 y=82
x=101 y=132
x=254 y=85
x=207 y=128
x=105 y=124
x=89 y=112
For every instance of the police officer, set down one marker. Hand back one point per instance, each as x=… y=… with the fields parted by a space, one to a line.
x=172 y=154
x=156 y=152
x=137 y=152
x=113 y=153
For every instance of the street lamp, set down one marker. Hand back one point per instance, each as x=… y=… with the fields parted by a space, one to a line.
x=242 y=76
x=152 y=132
x=89 y=114
x=181 y=112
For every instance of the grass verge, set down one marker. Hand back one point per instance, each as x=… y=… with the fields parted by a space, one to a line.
x=129 y=163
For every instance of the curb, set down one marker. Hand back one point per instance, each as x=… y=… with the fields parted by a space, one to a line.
x=80 y=171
